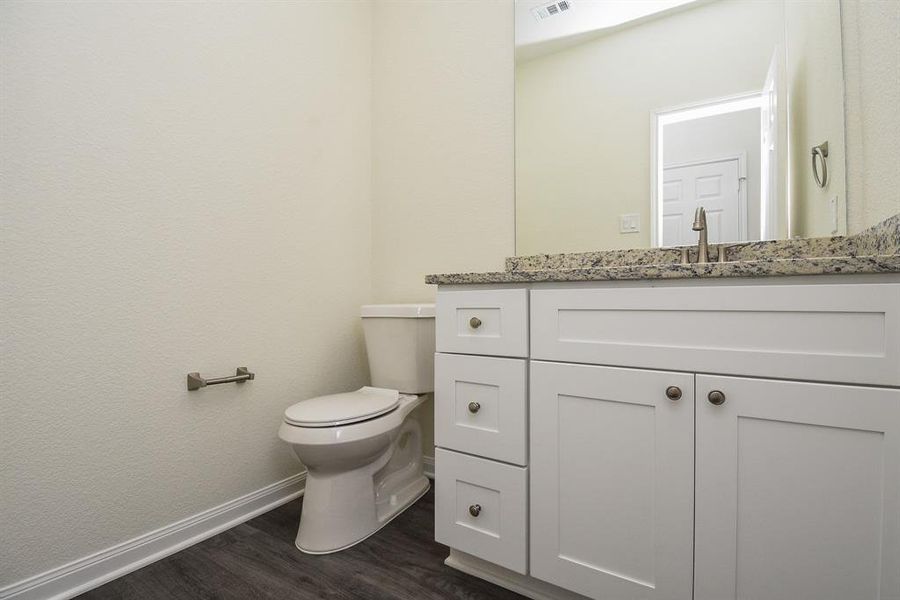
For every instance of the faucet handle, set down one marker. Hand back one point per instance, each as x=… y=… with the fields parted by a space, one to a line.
x=723 y=253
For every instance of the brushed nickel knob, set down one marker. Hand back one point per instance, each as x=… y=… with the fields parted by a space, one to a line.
x=475 y=510
x=474 y=322
x=474 y=407
x=673 y=392
x=716 y=397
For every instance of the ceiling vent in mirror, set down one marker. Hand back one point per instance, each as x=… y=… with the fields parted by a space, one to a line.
x=551 y=9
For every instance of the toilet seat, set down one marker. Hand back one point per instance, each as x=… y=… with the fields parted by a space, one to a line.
x=336 y=410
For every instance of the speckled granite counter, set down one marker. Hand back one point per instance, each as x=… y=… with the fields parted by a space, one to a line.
x=876 y=250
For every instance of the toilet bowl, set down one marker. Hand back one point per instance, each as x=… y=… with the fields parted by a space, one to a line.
x=362 y=449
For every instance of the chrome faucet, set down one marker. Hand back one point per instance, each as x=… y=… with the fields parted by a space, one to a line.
x=702 y=243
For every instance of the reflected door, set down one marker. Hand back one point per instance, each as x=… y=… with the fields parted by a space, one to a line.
x=716 y=186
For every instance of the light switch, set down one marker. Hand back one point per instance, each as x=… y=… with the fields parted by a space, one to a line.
x=630 y=223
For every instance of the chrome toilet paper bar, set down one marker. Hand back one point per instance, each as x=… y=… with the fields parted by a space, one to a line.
x=195 y=381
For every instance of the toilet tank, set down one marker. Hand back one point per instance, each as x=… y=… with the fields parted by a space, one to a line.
x=400 y=346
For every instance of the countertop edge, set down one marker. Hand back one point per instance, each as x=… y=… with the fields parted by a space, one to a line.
x=830 y=265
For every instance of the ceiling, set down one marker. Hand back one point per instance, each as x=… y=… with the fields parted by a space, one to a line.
x=582 y=20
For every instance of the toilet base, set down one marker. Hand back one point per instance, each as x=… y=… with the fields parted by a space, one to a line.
x=404 y=499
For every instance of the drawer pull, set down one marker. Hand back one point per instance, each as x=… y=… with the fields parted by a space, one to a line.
x=716 y=397
x=673 y=392
x=474 y=322
x=474 y=407
x=475 y=510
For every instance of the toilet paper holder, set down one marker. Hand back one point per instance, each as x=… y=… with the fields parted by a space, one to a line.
x=195 y=381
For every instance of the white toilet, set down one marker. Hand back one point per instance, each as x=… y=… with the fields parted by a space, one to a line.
x=362 y=451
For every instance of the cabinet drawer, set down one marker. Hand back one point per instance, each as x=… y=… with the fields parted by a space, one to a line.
x=493 y=322
x=480 y=406
x=824 y=332
x=480 y=508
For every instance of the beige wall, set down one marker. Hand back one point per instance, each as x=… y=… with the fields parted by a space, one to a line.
x=583 y=117
x=183 y=188
x=443 y=197
x=871 y=31
x=442 y=143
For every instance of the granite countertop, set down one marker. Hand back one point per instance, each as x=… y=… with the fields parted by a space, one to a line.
x=875 y=250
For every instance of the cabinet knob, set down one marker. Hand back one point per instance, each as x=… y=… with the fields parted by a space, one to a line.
x=673 y=392
x=474 y=407
x=474 y=322
x=716 y=397
x=475 y=510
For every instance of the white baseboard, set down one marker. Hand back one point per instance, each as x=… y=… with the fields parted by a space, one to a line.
x=521 y=584
x=428 y=466
x=92 y=571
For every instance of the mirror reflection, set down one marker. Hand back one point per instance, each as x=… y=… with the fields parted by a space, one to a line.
x=631 y=115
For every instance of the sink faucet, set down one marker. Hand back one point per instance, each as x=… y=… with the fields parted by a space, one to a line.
x=702 y=243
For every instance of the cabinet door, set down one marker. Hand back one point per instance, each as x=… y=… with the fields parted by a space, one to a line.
x=612 y=472
x=797 y=491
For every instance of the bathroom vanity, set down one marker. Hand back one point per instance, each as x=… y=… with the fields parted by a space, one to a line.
x=696 y=436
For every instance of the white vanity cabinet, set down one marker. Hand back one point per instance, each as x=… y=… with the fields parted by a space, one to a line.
x=612 y=472
x=798 y=490
x=701 y=440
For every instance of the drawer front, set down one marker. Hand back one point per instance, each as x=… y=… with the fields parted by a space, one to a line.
x=823 y=332
x=480 y=508
x=493 y=322
x=480 y=406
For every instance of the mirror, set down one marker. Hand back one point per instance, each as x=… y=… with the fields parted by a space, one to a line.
x=630 y=115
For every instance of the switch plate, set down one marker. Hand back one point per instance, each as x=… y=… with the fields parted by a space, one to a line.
x=630 y=223
x=834 y=214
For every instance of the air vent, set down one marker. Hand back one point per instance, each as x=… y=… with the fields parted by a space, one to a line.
x=551 y=10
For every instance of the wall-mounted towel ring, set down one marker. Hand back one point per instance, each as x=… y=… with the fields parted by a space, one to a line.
x=822 y=152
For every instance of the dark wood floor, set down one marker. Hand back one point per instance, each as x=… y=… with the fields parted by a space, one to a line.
x=258 y=560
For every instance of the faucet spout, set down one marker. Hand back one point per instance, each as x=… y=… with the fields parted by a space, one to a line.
x=702 y=242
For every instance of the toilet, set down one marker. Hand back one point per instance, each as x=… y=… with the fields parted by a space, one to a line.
x=362 y=450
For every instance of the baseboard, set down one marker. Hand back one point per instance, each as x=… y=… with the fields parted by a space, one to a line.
x=428 y=466
x=521 y=584
x=92 y=571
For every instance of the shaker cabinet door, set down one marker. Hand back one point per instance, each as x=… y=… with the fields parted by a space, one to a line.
x=612 y=480
x=798 y=491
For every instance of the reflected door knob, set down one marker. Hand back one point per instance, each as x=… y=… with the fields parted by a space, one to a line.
x=673 y=392
x=716 y=397
x=474 y=322
x=475 y=510
x=474 y=407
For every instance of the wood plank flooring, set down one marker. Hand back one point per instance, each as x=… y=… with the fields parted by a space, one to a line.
x=258 y=560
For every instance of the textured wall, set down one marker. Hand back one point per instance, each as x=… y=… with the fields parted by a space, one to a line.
x=871 y=30
x=443 y=196
x=443 y=190
x=185 y=186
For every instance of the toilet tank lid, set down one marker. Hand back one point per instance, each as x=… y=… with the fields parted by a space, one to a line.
x=399 y=311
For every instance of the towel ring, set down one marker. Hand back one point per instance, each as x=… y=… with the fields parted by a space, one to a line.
x=822 y=152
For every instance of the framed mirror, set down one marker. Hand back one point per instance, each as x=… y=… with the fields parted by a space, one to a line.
x=630 y=115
